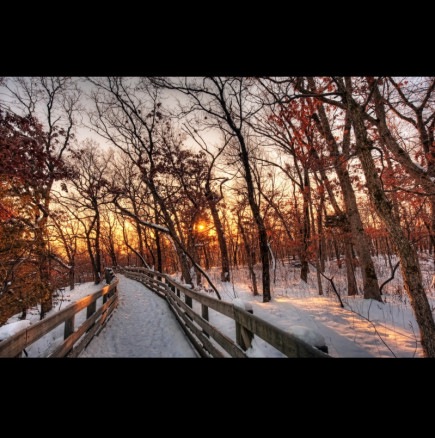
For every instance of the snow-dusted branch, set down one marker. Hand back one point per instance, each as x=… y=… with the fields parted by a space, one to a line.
x=140 y=221
x=60 y=261
x=169 y=235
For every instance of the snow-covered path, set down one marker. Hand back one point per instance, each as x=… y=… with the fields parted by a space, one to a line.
x=141 y=326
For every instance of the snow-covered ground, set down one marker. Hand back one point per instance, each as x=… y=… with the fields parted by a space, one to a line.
x=363 y=328
x=44 y=346
x=141 y=326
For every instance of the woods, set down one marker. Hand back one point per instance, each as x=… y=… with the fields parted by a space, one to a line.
x=188 y=176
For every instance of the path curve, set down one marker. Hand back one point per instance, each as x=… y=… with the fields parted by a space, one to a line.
x=141 y=326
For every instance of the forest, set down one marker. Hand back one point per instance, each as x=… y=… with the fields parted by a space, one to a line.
x=200 y=176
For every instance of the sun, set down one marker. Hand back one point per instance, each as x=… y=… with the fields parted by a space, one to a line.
x=200 y=227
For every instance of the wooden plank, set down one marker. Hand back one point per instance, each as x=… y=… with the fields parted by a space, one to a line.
x=160 y=283
x=63 y=349
x=239 y=339
x=278 y=338
x=247 y=337
x=85 y=341
x=106 y=316
x=283 y=341
x=41 y=328
x=14 y=345
x=243 y=335
x=188 y=300
x=91 y=309
x=204 y=312
x=149 y=283
x=69 y=327
x=198 y=347
x=190 y=325
x=93 y=331
x=204 y=315
x=67 y=345
x=218 y=305
x=224 y=341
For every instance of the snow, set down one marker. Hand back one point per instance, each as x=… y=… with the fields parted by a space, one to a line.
x=156 y=226
x=142 y=326
x=308 y=335
x=244 y=305
x=12 y=328
x=44 y=346
x=363 y=328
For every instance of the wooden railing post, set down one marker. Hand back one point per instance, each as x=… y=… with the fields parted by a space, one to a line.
x=90 y=310
x=69 y=327
x=204 y=311
x=243 y=335
x=108 y=275
x=204 y=314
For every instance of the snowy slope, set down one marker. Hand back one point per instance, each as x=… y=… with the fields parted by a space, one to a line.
x=141 y=326
x=364 y=328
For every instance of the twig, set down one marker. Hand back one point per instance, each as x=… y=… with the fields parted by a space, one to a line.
x=374 y=326
x=392 y=276
x=331 y=281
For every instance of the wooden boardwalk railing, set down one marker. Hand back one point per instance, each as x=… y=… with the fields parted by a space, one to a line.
x=206 y=338
x=75 y=340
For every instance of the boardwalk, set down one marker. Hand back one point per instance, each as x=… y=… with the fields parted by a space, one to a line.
x=141 y=326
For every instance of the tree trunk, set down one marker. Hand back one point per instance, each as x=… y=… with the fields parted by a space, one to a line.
x=351 y=281
x=112 y=252
x=322 y=242
x=159 y=252
x=206 y=259
x=305 y=228
x=362 y=243
x=97 y=250
x=71 y=276
x=158 y=243
x=225 y=263
x=408 y=258
x=319 y=279
x=91 y=255
x=44 y=288
x=184 y=262
x=262 y=235
x=248 y=257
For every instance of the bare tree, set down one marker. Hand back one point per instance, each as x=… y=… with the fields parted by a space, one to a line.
x=54 y=101
x=90 y=188
x=224 y=104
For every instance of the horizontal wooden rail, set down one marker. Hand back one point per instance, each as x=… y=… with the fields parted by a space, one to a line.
x=95 y=321
x=206 y=338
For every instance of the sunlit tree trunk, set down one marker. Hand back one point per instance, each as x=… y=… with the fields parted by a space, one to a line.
x=248 y=251
x=408 y=258
x=362 y=243
x=225 y=263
